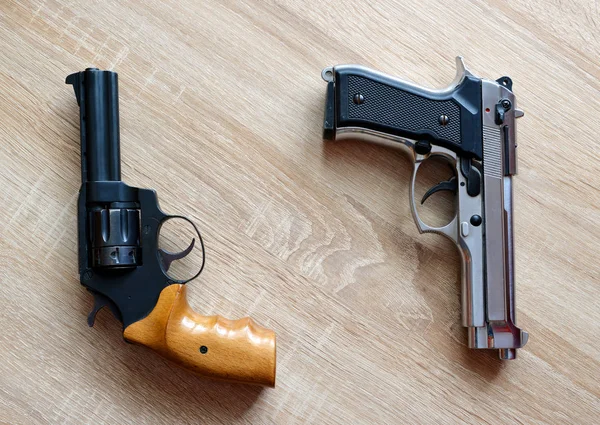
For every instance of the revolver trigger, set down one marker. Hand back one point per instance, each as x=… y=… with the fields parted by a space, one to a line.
x=450 y=185
x=101 y=301
x=166 y=257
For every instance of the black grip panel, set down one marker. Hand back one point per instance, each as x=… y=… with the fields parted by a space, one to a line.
x=369 y=100
x=395 y=108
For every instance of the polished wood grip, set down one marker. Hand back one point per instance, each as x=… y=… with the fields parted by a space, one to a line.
x=231 y=350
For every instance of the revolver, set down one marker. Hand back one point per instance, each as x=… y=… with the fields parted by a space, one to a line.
x=471 y=125
x=123 y=265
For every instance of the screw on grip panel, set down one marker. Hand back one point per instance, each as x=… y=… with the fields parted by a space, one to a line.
x=358 y=99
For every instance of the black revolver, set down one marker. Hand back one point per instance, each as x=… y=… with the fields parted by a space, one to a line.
x=471 y=124
x=122 y=265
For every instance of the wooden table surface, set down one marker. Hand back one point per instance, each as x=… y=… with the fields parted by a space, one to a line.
x=221 y=112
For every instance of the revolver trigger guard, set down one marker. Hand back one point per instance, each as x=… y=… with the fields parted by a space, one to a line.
x=165 y=258
x=450 y=230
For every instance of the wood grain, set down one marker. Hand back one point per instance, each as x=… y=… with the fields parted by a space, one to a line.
x=214 y=347
x=221 y=113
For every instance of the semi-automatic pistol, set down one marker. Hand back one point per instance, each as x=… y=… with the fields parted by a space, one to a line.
x=471 y=124
x=123 y=265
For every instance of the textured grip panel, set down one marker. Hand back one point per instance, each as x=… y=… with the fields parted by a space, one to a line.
x=384 y=105
x=231 y=350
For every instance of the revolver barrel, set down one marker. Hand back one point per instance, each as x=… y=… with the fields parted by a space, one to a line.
x=98 y=95
x=102 y=125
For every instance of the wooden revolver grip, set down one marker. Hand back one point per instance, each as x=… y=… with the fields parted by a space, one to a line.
x=231 y=350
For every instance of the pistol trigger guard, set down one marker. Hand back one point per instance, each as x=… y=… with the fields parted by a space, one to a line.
x=166 y=258
x=450 y=229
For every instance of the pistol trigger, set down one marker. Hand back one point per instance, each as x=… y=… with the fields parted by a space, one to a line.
x=101 y=301
x=166 y=257
x=450 y=185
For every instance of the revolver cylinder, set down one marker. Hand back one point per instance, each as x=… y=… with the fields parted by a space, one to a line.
x=115 y=237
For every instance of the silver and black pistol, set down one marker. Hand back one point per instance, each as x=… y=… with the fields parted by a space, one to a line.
x=471 y=124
